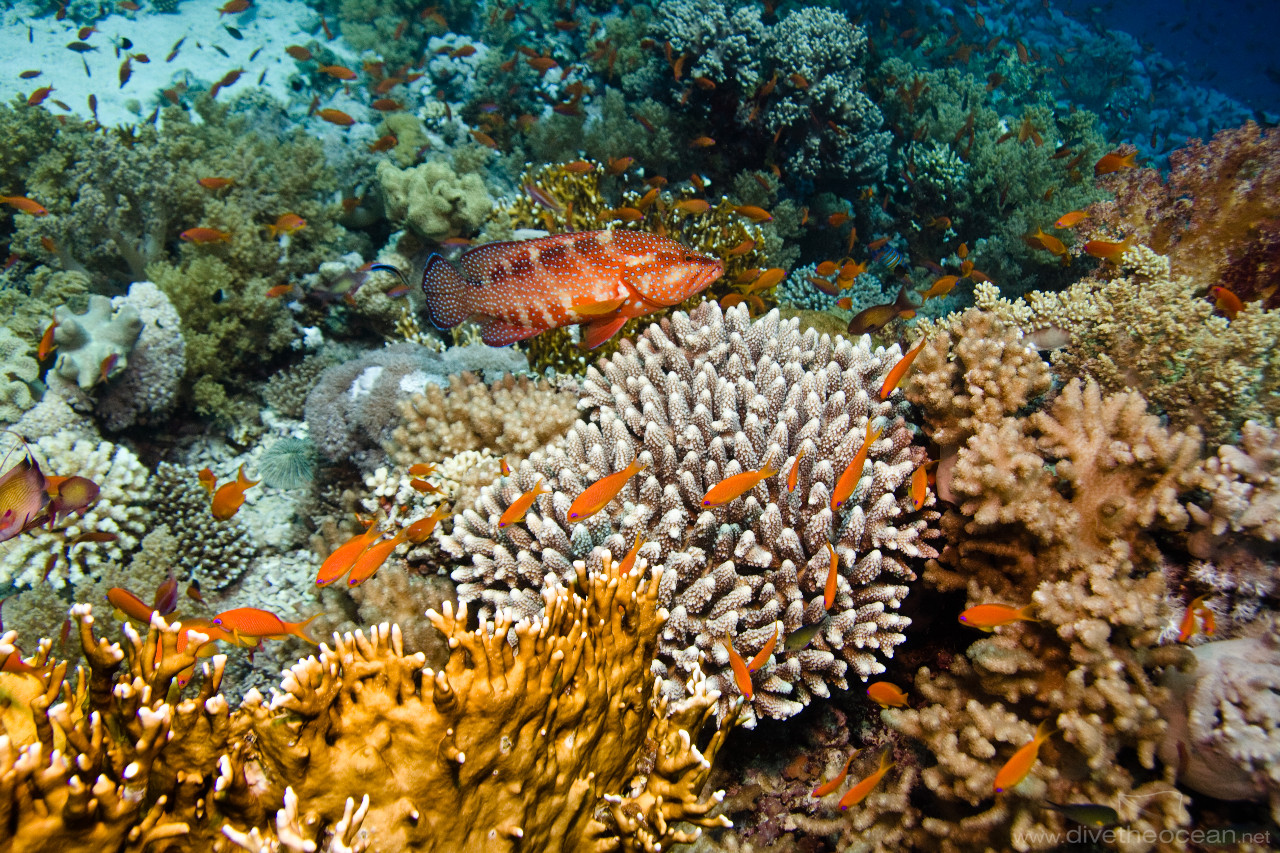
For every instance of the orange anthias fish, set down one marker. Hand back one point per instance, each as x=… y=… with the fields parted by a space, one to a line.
x=1114 y=162
x=900 y=370
x=836 y=781
x=853 y=471
x=208 y=481
x=1187 y=629
x=22 y=498
x=878 y=316
x=344 y=556
x=418 y=532
x=733 y=487
x=229 y=497
x=1073 y=218
x=859 y=792
x=741 y=675
x=1049 y=243
x=373 y=557
x=794 y=473
x=1017 y=767
x=215 y=183
x=26 y=205
x=14 y=663
x=129 y=604
x=47 y=346
x=287 y=223
x=762 y=657
x=252 y=622
x=1113 y=252
x=919 y=485
x=201 y=236
x=516 y=290
x=1226 y=301
x=833 y=574
x=515 y=513
x=886 y=694
x=940 y=287
x=598 y=495
x=68 y=494
x=337 y=117
x=630 y=559
x=985 y=617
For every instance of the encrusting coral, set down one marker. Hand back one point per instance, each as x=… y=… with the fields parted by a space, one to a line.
x=697 y=399
x=557 y=742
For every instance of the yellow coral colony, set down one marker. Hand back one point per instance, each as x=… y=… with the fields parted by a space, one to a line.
x=541 y=735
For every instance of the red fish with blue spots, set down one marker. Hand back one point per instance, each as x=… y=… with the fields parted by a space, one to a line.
x=601 y=279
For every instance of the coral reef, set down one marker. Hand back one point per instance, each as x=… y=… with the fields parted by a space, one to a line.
x=618 y=768
x=71 y=549
x=512 y=417
x=215 y=554
x=1214 y=215
x=353 y=407
x=1222 y=733
x=699 y=398
x=150 y=383
x=18 y=370
x=1193 y=366
x=94 y=345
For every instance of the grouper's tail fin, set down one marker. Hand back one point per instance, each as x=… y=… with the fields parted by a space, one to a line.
x=446 y=293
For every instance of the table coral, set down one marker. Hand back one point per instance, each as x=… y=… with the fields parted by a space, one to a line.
x=555 y=743
x=701 y=397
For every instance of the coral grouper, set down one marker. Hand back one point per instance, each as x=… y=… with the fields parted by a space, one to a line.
x=601 y=278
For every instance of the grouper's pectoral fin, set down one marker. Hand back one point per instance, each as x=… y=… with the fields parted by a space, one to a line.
x=500 y=333
x=598 y=309
x=601 y=330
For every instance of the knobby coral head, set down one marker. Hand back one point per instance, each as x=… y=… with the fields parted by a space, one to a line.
x=698 y=399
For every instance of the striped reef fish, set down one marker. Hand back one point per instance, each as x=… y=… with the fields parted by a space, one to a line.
x=602 y=279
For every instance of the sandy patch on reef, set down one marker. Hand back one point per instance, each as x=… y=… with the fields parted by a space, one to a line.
x=40 y=43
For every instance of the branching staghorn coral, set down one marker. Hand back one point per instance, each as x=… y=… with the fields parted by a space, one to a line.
x=699 y=398
x=556 y=743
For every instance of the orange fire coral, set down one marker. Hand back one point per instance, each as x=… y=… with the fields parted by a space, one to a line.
x=542 y=734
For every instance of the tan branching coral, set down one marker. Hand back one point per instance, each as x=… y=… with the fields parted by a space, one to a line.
x=558 y=742
x=506 y=747
x=512 y=416
x=1143 y=328
x=975 y=369
x=1056 y=509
